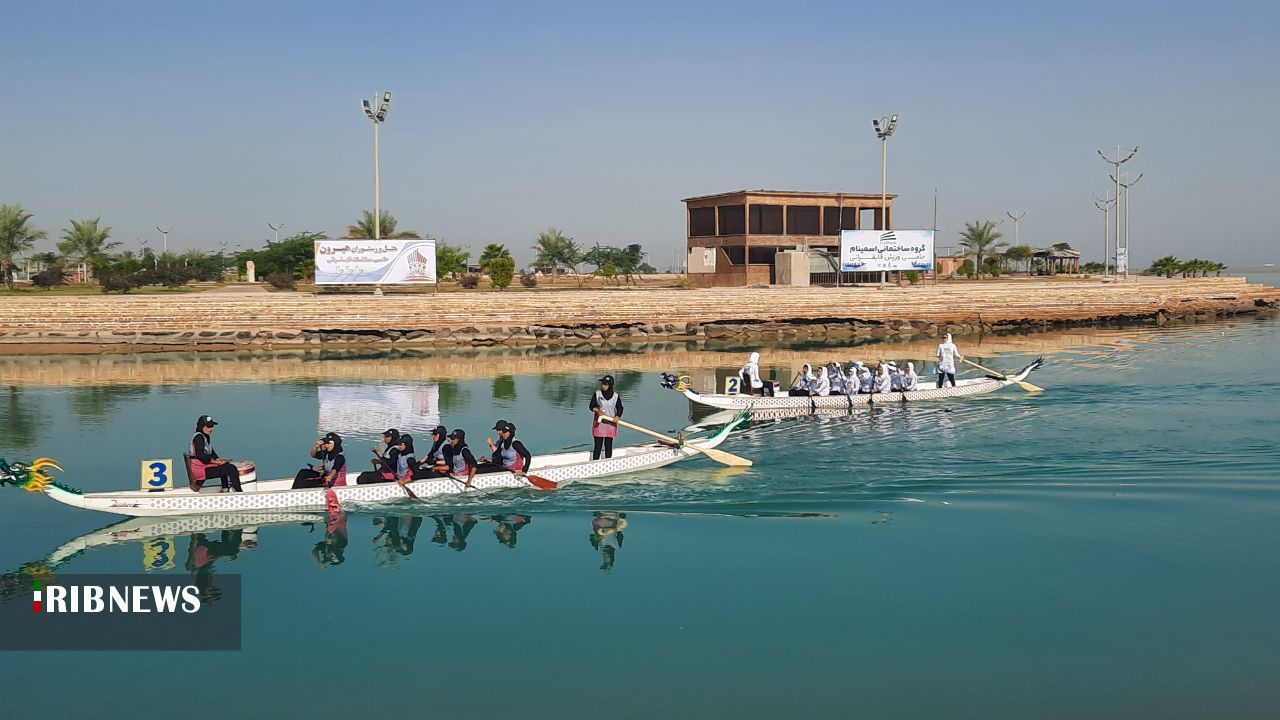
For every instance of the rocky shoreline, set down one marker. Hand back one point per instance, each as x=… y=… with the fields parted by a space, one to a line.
x=278 y=321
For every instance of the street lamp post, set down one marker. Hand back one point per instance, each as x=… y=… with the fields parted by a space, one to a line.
x=378 y=117
x=1017 y=240
x=1105 y=207
x=164 y=232
x=884 y=127
x=275 y=230
x=1115 y=177
x=1124 y=207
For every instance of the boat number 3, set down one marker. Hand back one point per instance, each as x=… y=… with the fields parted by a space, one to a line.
x=157 y=475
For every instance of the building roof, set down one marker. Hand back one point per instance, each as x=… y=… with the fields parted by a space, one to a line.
x=1051 y=253
x=791 y=194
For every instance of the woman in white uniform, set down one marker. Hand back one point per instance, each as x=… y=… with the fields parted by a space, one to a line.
x=948 y=354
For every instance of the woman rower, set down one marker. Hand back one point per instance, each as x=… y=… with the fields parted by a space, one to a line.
x=384 y=464
x=206 y=464
x=836 y=376
x=803 y=385
x=912 y=380
x=509 y=454
x=458 y=460
x=866 y=384
x=851 y=381
x=333 y=465
x=605 y=403
x=822 y=386
x=884 y=383
x=433 y=464
x=406 y=464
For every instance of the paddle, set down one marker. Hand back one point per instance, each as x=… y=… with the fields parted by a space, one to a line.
x=541 y=483
x=1020 y=383
x=719 y=456
x=405 y=487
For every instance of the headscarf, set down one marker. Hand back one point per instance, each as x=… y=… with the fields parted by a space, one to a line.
x=911 y=369
x=407 y=441
x=754 y=359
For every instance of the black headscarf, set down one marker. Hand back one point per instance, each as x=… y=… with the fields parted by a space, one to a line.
x=406 y=440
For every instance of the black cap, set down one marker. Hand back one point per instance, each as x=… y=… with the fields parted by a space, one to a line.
x=204 y=422
x=606 y=380
x=440 y=430
x=392 y=432
x=458 y=435
x=335 y=437
x=501 y=425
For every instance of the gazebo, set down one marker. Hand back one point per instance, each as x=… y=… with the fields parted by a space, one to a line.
x=1058 y=261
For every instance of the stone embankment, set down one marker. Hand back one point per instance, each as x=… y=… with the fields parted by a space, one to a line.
x=219 y=321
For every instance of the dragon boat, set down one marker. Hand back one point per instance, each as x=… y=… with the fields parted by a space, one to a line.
x=275 y=496
x=760 y=405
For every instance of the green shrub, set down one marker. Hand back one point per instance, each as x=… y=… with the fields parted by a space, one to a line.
x=966 y=269
x=282 y=281
x=501 y=271
x=469 y=281
x=913 y=276
x=991 y=266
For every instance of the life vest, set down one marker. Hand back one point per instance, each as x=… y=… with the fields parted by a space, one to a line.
x=609 y=407
x=198 y=468
x=460 y=467
x=327 y=466
x=512 y=460
x=405 y=465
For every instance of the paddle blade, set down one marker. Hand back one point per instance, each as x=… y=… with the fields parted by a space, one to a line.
x=1029 y=387
x=331 y=503
x=541 y=483
x=722 y=457
x=409 y=492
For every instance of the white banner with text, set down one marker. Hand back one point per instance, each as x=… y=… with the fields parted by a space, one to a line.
x=880 y=250
x=375 y=262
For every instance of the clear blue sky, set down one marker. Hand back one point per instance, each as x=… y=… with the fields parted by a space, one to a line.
x=598 y=117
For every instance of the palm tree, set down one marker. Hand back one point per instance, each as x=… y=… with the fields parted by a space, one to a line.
x=980 y=237
x=16 y=237
x=554 y=248
x=492 y=252
x=363 y=230
x=1167 y=266
x=85 y=242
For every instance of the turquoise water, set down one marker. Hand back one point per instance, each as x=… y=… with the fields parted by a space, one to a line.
x=1106 y=549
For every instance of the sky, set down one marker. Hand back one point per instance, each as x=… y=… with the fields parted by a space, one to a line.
x=598 y=118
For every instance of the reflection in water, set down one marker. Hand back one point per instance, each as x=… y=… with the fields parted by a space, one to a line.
x=202 y=553
x=97 y=404
x=504 y=388
x=20 y=418
x=396 y=538
x=508 y=526
x=564 y=390
x=332 y=551
x=606 y=536
x=461 y=526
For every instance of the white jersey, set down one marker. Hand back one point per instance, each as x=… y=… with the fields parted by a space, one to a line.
x=947 y=354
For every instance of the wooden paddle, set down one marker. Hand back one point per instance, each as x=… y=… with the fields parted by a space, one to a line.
x=719 y=456
x=1020 y=383
x=542 y=483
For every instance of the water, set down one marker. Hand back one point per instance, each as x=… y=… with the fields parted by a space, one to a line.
x=1105 y=549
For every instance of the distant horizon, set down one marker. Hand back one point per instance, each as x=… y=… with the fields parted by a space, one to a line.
x=506 y=121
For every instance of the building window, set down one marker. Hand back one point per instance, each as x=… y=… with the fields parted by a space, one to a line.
x=733 y=219
x=762 y=255
x=833 y=220
x=735 y=253
x=802 y=220
x=702 y=222
x=766 y=219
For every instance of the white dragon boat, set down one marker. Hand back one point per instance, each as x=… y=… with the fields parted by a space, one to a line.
x=277 y=495
x=759 y=405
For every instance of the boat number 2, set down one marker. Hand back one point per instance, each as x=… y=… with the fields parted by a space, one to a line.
x=157 y=475
x=732 y=385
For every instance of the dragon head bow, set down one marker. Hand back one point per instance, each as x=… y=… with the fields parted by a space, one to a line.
x=32 y=478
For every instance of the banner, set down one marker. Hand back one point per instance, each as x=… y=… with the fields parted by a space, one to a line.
x=1122 y=260
x=375 y=262
x=880 y=250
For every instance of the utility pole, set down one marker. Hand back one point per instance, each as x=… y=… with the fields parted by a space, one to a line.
x=1115 y=177
x=164 y=232
x=884 y=128
x=935 y=237
x=1105 y=207
x=275 y=230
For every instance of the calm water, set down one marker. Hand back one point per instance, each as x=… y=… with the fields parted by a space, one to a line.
x=1107 y=549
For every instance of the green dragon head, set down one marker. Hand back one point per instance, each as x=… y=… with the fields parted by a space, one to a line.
x=31 y=478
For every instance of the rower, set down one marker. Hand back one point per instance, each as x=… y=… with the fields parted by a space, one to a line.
x=851 y=381
x=911 y=381
x=406 y=464
x=458 y=460
x=822 y=385
x=206 y=464
x=333 y=465
x=384 y=463
x=884 y=383
x=866 y=384
x=605 y=402
x=948 y=354
x=836 y=375
x=803 y=385
x=509 y=454
x=895 y=377
x=433 y=464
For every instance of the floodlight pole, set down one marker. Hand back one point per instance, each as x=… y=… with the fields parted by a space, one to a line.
x=378 y=116
x=275 y=230
x=884 y=127
x=1124 y=207
x=1105 y=207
